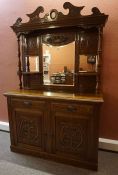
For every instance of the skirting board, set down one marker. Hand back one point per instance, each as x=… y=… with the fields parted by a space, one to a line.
x=106 y=144
x=4 y=126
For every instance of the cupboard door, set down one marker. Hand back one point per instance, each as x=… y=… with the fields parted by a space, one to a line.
x=70 y=136
x=28 y=128
x=72 y=131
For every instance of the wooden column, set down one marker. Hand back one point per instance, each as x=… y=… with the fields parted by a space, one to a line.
x=77 y=62
x=99 y=60
x=19 y=62
x=27 y=60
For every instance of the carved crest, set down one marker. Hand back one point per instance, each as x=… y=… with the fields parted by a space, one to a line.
x=54 y=18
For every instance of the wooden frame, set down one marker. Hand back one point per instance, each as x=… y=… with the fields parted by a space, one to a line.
x=85 y=29
x=47 y=120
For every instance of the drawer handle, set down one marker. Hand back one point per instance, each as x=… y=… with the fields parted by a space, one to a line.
x=71 y=109
x=27 y=103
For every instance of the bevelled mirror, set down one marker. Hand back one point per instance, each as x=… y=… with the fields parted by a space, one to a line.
x=58 y=59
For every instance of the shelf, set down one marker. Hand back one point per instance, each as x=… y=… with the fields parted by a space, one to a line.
x=31 y=73
x=86 y=73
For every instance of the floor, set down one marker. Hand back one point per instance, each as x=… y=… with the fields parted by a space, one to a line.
x=108 y=162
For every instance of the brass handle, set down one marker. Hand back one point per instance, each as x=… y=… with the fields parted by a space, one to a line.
x=27 y=103
x=71 y=109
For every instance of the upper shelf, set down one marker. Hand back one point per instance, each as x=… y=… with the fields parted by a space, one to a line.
x=55 y=19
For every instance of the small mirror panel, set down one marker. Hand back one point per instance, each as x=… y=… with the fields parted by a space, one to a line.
x=32 y=64
x=88 y=63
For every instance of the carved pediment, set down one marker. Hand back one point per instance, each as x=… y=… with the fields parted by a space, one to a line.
x=55 y=19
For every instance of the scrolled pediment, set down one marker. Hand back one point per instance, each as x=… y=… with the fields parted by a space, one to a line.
x=56 y=19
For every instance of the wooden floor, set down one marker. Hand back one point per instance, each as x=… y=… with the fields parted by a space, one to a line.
x=108 y=162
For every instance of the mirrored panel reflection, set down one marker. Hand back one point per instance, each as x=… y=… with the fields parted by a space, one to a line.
x=88 y=63
x=32 y=64
x=58 y=64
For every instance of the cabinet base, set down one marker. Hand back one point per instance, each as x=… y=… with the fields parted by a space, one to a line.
x=52 y=157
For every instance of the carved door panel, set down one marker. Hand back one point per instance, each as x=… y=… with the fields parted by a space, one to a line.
x=88 y=42
x=32 y=46
x=28 y=127
x=71 y=135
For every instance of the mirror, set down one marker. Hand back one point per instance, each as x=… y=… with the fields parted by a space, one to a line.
x=88 y=63
x=58 y=62
x=32 y=64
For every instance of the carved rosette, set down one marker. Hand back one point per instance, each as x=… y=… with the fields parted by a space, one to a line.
x=71 y=137
x=28 y=130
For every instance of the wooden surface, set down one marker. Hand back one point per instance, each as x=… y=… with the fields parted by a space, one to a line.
x=73 y=18
x=55 y=121
x=57 y=29
x=56 y=95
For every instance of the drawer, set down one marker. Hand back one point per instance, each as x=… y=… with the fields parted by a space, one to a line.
x=27 y=103
x=81 y=109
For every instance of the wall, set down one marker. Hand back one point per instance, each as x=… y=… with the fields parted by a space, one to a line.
x=11 y=10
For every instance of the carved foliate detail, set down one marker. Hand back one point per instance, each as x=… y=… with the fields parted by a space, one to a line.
x=73 y=10
x=28 y=130
x=54 y=15
x=34 y=17
x=55 y=18
x=88 y=42
x=18 y=22
x=32 y=43
x=71 y=137
x=51 y=16
x=58 y=39
x=96 y=11
x=32 y=46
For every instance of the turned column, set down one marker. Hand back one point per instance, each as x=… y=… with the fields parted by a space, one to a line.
x=19 y=62
x=99 y=60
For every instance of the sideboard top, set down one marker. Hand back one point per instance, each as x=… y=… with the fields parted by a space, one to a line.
x=56 y=95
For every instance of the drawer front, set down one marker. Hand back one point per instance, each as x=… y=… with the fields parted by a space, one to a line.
x=81 y=109
x=27 y=103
